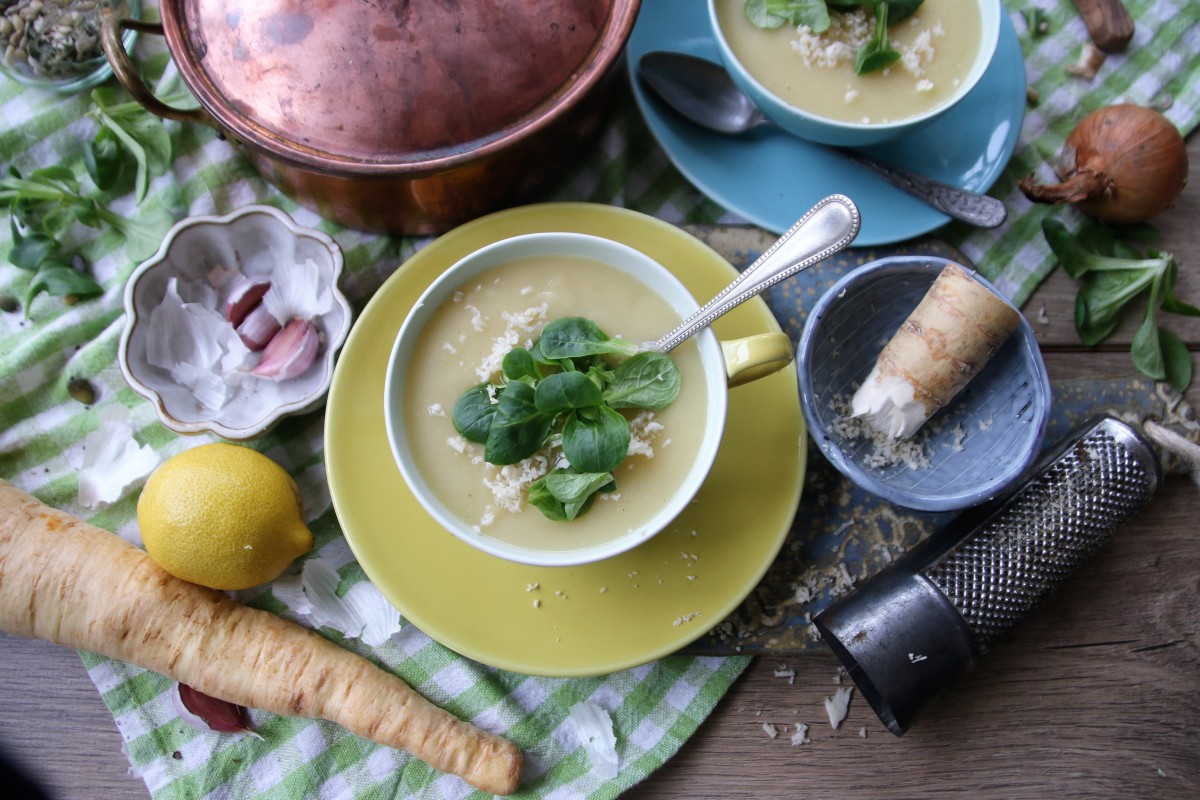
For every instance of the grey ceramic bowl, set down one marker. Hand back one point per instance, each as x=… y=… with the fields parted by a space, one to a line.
x=977 y=446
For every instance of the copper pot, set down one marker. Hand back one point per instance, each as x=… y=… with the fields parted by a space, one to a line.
x=394 y=116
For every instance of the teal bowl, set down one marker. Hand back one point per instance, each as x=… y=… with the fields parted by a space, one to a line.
x=824 y=130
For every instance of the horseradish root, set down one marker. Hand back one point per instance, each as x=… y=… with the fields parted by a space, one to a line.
x=73 y=584
x=942 y=345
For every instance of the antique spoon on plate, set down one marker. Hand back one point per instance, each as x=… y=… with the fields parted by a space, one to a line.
x=828 y=227
x=703 y=92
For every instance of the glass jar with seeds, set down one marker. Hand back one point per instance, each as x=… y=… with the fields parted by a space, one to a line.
x=55 y=44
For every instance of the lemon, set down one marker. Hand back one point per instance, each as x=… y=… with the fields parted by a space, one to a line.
x=222 y=516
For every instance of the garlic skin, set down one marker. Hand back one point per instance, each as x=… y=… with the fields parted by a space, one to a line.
x=195 y=345
x=298 y=291
x=205 y=333
x=594 y=728
x=361 y=613
x=112 y=461
x=290 y=352
x=258 y=328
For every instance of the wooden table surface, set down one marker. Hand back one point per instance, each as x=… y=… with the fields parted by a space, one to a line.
x=1097 y=695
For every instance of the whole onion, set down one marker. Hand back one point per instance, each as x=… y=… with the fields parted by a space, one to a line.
x=1121 y=164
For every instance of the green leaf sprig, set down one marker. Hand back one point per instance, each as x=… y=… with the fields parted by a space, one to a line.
x=41 y=207
x=1112 y=273
x=131 y=147
x=566 y=387
x=875 y=55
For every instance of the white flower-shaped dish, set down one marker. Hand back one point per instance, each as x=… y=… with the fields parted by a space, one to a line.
x=254 y=240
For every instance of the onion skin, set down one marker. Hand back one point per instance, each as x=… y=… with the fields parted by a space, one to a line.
x=1123 y=164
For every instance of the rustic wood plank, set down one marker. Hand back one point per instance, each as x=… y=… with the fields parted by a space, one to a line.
x=55 y=728
x=1090 y=697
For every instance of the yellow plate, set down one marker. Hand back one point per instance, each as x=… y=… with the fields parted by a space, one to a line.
x=566 y=621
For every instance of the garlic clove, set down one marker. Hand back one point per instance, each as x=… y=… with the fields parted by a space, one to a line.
x=258 y=328
x=206 y=713
x=290 y=352
x=244 y=298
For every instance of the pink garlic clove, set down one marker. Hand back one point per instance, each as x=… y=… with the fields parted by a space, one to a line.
x=290 y=352
x=258 y=328
x=207 y=713
x=244 y=298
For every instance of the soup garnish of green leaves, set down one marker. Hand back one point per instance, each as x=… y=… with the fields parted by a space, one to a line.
x=567 y=386
x=868 y=62
x=875 y=54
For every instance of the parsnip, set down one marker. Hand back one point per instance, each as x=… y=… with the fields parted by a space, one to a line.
x=942 y=345
x=66 y=581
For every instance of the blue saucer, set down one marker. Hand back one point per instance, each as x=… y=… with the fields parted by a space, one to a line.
x=771 y=178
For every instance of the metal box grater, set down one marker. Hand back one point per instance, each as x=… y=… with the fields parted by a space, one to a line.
x=912 y=630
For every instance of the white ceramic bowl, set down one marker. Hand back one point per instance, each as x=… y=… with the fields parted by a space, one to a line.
x=825 y=130
x=657 y=279
x=252 y=239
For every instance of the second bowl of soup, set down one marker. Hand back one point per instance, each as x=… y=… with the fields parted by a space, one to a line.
x=499 y=301
x=809 y=84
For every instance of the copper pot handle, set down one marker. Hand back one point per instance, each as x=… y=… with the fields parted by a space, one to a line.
x=123 y=68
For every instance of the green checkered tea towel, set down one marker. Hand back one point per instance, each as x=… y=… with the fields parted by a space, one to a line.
x=655 y=708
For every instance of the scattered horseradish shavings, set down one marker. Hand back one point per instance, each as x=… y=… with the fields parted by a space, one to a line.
x=846 y=35
x=361 y=613
x=838 y=705
x=886 y=450
x=594 y=729
x=686 y=618
x=112 y=460
x=850 y=31
x=516 y=324
x=800 y=735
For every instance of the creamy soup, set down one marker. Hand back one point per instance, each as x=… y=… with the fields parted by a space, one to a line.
x=816 y=72
x=462 y=346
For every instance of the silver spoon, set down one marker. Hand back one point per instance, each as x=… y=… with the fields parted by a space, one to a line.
x=703 y=92
x=828 y=227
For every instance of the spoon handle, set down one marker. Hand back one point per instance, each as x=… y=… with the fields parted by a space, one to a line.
x=828 y=227
x=964 y=205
